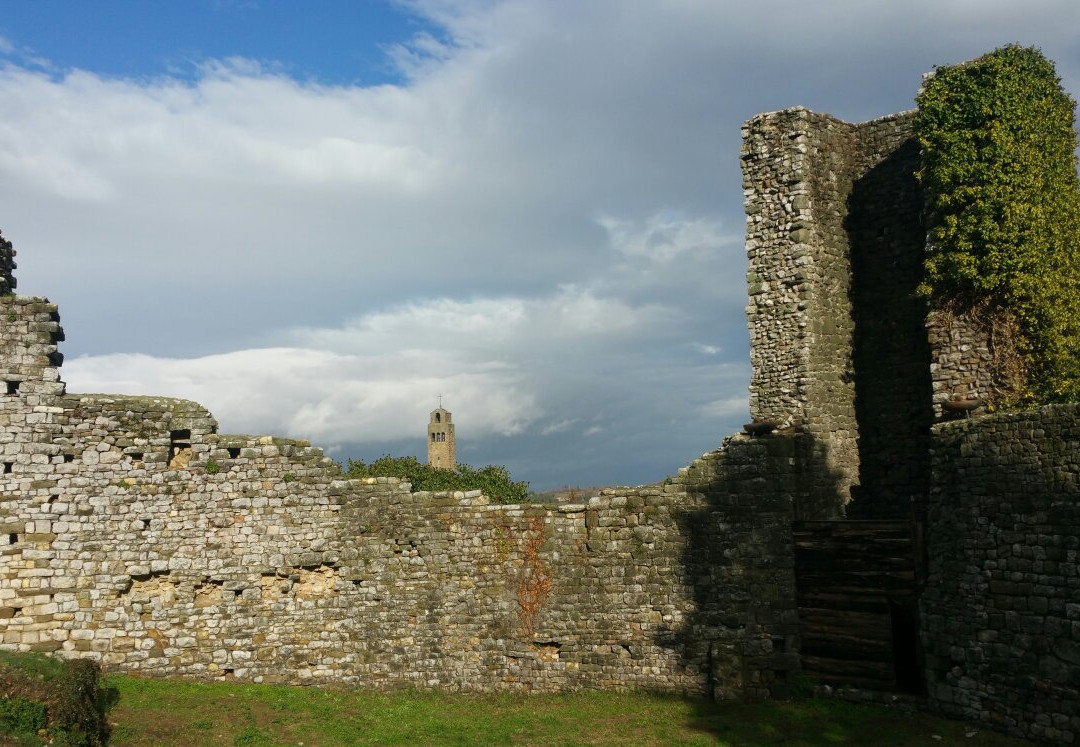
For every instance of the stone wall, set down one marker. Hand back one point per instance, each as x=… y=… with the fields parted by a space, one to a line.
x=838 y=349
x=740 y=549
x=975 y=362
x=1001 y=609
x=133 y=533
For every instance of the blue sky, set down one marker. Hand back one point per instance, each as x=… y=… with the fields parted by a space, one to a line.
x=316 y=217
x=341 y=43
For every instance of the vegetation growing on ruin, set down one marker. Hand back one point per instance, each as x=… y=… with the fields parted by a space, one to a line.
x=1004 y=207
x=534 y=583
x=50 y=701
x=493 y=480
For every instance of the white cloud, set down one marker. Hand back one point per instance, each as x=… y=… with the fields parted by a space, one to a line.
x=236 y=127
x=560 y=427
x=502 y=364
x=485 y=325
x=328 y=397
x=663 y=237
x=728 y=406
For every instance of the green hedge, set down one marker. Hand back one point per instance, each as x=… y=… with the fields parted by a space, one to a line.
x=62 y=697
x=21 y=717
x=1004 y=206
x=493 y=480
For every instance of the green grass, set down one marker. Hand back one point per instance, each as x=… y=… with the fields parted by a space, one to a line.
x=170 y=712
x=36 y=665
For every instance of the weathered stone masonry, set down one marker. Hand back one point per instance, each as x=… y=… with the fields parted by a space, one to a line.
x=133 y=533
x=834 y=247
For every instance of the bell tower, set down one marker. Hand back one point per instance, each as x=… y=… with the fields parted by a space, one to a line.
x=441 y=451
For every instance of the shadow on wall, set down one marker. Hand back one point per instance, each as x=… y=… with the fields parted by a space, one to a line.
x=738 y=560
x=891 y=355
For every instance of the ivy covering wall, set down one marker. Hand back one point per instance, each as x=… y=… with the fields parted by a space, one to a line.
x=999 y=169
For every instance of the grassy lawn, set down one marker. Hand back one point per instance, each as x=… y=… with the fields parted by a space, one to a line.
x=170 y=712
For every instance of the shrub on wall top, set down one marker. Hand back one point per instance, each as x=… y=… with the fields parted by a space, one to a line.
x=493 y=480
x=1004 y=208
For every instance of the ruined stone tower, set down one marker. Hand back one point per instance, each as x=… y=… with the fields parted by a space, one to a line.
x=441 y=451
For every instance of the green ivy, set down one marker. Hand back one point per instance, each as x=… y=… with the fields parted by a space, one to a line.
x=493 y=480
x=1004 y=207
